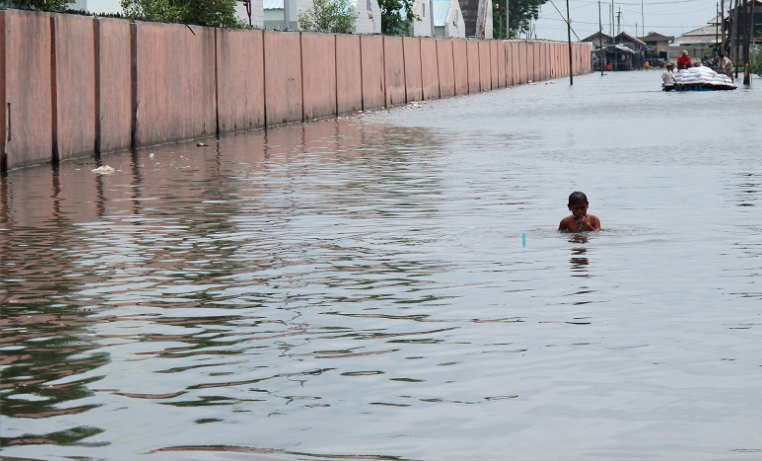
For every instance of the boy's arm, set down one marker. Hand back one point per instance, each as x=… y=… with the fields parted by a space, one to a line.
x=564 y=224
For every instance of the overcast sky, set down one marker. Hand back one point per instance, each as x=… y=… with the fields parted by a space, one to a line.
x=667 y=17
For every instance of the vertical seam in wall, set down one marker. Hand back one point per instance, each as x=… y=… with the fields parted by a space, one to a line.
x=97 y=78
x=53 y=90
x=134 y=103
x=216 y=84
x=301 y=70
x=264 y=82
x=362 y=84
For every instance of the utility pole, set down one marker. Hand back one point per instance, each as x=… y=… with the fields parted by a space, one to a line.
x=642 y=21
x=247 y=4
x=736 y=30
x=722 y=18
x=717 y=27
x=619 y=21
x=600 y=38
x=286 y=14
x=746 y=41
x=568 y=33
x=507 y=19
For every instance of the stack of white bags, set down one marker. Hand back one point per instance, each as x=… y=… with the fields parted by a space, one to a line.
x=703 y=76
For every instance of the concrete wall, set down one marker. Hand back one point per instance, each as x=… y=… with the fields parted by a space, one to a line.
x=26 y=86
x=348 y=74
x=372 y=71
x=175 y=82
x=240 y=80
x=113 y=125
x=319 y=75
x=76 y=86
x=394 y=71
x=413 y=69
x=430 y=68
x=446 y=67
x=283 y=77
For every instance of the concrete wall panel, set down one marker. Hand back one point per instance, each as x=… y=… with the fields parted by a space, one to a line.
x=348 y=72
x=446 y=67
x=485 y=65
x=373 y=83
x=175 y=83
x=502 y=80
x=75 y=83
x=472 y=57
x=113 y=127
x=460 y=66
x=413 y=69
x=522 y=62
x=537 y=62
x=394 y=71
x=429 y=68
x=541 y=61
x=283 y=78
x=3 y=157
x=515 y=66
x=240 y=80
x=26 y=82
x=493 y=65
x=531 y=70
x=319 y=75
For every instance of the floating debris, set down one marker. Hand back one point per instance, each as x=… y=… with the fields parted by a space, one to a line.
x=104 y=170
x=202 y=144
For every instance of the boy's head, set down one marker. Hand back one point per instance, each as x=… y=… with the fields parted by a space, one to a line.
x=721 y=55
x=578 y=204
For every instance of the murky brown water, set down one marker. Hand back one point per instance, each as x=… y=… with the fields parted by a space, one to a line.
x=358 y=289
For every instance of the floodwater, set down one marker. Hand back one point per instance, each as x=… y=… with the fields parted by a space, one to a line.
x=360 y=288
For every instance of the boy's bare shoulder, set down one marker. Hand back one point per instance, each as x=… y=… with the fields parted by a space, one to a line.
x=564 y=225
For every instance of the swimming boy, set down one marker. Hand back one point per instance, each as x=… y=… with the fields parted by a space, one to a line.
x=579 y=221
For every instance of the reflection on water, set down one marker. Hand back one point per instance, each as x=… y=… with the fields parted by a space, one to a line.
x=579 y=261
x=360 y=289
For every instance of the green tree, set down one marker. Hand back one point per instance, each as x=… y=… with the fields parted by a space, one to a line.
x=397 y=16
x=521 y=12
x=213 y=13
x=45 y=5
x=334 y=16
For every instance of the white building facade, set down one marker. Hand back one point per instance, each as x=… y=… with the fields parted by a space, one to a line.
x=448 y=19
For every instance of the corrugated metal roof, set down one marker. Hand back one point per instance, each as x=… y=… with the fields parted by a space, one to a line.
x=272 y=4
x=441 y=9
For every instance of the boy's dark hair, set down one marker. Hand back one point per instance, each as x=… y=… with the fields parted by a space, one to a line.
x=577 y=197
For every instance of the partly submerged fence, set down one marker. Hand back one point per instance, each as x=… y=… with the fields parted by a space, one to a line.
x=73 y=86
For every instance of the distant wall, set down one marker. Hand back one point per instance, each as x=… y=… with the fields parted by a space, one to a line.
x=74 y=86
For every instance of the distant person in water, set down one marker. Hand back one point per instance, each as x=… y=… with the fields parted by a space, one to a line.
x=579 y=221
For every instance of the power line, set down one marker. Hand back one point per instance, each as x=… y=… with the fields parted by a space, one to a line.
x=568 y=23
